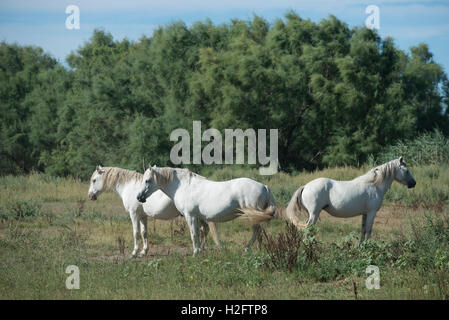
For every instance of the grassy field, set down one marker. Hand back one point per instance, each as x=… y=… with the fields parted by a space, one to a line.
x=47 y=224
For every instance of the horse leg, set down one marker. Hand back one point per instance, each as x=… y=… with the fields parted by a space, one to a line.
x=214 y=232
x=314 y=214
x=136 y=227
x=313 y=208
x=259 y=238
x=204 y=230
x=369 y=224
x=257 y=234
x=144 y=234
x=362 y=237
x=194 y=232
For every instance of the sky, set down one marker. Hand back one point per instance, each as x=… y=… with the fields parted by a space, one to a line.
x=43 y=23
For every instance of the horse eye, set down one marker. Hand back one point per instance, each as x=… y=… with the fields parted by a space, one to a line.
x=94 y=180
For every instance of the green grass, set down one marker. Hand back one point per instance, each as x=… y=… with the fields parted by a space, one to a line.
x=58 y=227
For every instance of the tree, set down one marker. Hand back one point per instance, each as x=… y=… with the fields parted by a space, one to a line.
x=337 y=95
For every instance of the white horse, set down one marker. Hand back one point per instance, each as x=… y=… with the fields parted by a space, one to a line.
x=201 y=199
x=126 y=184
x=360 y=196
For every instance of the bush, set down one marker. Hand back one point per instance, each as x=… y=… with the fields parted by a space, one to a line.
x=287 y=248
x=20 y=210
x=428 y=247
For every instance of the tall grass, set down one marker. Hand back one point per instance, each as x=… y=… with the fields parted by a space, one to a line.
x=432 y=188
x=431 y=148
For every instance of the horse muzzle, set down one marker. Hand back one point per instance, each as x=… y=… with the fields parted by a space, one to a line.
x=411 y=184
x=92 y=196
x=141 y=198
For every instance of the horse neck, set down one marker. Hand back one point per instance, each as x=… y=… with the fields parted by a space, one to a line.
x=388 y=180
x=119 y=186
x=178 y=181
x=385 y=185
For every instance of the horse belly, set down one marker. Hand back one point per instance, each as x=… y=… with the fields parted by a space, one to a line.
x=344 y=207
x=219 y=211
x=343 y=212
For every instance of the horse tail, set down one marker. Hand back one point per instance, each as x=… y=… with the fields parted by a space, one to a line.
x=256 y=216
x=214 y=232
x=279 y=212
x=293 y=207
x=270 y=198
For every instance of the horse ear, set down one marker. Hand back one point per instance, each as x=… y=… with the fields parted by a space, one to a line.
x=401 y=159
x=100 y=169
x=154 y=167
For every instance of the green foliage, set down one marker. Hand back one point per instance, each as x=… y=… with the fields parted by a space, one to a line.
x=337 y=95
x=24 y=82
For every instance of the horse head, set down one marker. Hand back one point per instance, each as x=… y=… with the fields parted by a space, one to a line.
x=403 y=175
x=96 y=183
x=148 y=185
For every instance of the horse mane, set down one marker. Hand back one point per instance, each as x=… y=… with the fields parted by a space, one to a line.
x=165 y=175
x=378 y=174
x=113 y=176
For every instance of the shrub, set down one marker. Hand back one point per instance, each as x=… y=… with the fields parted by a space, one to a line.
x=20 y=210
x=285 y=248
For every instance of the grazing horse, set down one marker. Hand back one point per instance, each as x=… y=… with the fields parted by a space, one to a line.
x=200 y=199
x=126 y=184
x=360 y=196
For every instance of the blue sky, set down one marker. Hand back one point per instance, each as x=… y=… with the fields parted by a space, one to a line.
x=42 y=23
